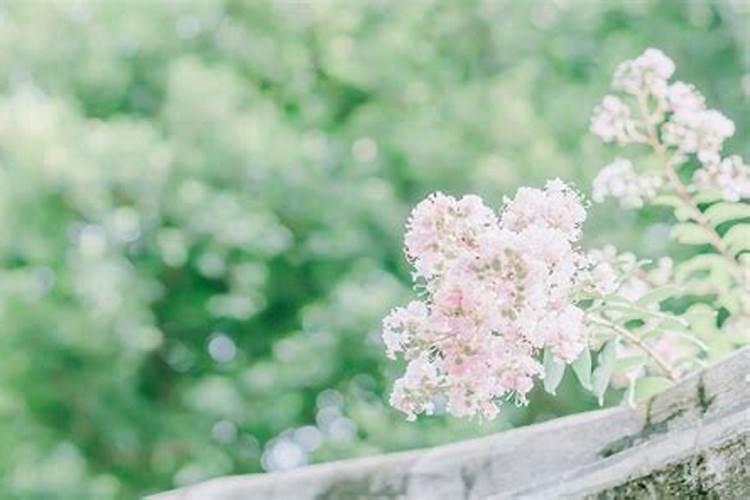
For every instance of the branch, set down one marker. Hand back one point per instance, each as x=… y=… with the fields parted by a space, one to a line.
x=630 y=337
x=684 y=194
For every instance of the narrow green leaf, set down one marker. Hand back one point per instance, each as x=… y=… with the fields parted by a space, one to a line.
x=674 y=323
x=614 y=298
x=668 y=200
x=722 y=212
x=693 y=340
x=603 y=372
x=630 y=363
x=626 y=312
x=722 y=277
x=731 y=301
x=708 y=197
x=738 y=237
x=702 y=318
x=582 y=368
x=629 y=396
x=702 y=262
x=681 y=210
x=553 y=372
x=646 y=387
x=654 y=332
x=659 y=295
x=689 y=233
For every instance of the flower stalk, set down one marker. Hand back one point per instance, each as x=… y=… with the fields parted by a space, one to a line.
x=663 y=365
x=682 y=191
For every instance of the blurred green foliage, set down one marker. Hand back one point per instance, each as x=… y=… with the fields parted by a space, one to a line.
x=202 y=205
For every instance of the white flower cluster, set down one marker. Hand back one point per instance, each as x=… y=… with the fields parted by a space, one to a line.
x=683 y=97
x=497 y=291
x=611 y=271
x=672 y=116
x=612 y=121
x=730 y=177
x=620 y=181
x=699 y=131
x=647 y=74
x=643 y=76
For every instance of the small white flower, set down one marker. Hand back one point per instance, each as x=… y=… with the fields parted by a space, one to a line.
x=730 y=177
x=683 y=97
x=620 y=181
x=698 y=131
x=644 y=75
x=611 y=121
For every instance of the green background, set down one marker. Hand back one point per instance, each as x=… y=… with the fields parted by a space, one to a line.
x=202 y=205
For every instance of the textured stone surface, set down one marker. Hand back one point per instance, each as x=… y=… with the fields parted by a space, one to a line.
x=693 y=441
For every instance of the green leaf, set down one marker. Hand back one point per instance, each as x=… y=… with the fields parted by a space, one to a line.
x=730 y=301
x=659 y=295
x=646 y=387
x=653 y=332
x=582 y=368
x=605 y=365
x=674 y=323
x=702 y=318
x=614 y=298
x=689 y=233
x=553 y=372
x=625 y=312
x=702 y=262
x=738 y=336
x=693 y=340
x=628 y=363
x=722 y=212
x=682 y=211
x=668 y=200
x=705 y=197
x=738 y=238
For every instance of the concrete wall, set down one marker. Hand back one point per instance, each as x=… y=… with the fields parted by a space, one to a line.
x=693 y=441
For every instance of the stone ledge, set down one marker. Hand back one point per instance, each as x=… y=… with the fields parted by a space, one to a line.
x=692 y=441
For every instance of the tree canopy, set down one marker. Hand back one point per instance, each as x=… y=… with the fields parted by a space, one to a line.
x=201 y=207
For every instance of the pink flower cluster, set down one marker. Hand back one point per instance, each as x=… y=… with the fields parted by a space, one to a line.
x=496 y=290
x=620 y=180
x=675 y=115
x=645 y=75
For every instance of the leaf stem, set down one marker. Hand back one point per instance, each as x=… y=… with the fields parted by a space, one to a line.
x=683 y=193
x=630 y=337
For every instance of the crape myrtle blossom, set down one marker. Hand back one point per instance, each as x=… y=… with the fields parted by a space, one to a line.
x=646 y=74
x=685 y=137
x=612 y=121
x=730 y=177
x=684 y=97
x=497 y=290
x=699 y=131
x=673 y=117
x=556 y=207
x=610 y=271
x=620 y=181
